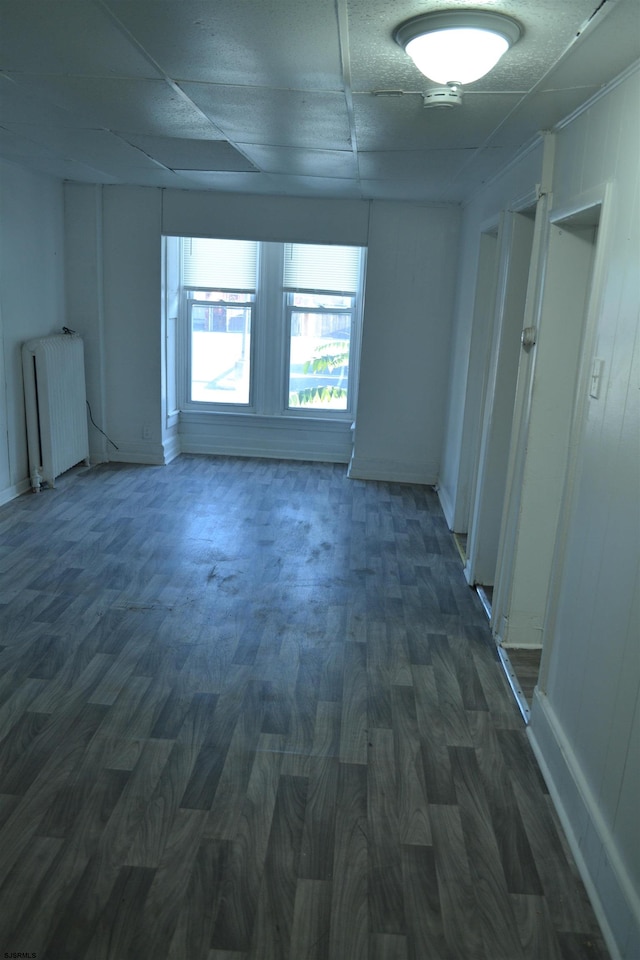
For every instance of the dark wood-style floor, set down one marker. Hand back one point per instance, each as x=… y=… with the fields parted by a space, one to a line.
x=250 y=710
x=526 y=667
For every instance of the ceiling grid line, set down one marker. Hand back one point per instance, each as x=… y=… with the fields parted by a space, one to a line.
x=275 y=97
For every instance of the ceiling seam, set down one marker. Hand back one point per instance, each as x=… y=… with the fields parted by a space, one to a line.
x=586 y=28
x=170 y=81
x=342 y=18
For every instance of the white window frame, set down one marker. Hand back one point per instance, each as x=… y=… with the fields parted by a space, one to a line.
x=289 y=308
x=270 y=345
x=189 y=301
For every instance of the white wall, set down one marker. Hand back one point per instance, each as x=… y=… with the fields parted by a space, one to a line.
x=585 y=720
x=411 y=268
x=84 y=296
x=113 y=270
x=587 y=727
x=132 y=249
x=464 y=406
x=31 y=300
x=188 y=213
x=412 y=257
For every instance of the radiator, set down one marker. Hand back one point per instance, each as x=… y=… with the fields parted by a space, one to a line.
x=55 y=402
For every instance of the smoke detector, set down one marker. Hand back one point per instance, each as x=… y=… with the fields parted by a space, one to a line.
x=448 y=96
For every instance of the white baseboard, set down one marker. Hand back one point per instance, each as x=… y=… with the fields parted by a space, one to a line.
x=361 y=468
x=142 y=451
x=16 y=490
x=521 y=630
x=614 y=899
x=519 y=646
x=172 y=448
x=211 y=448
x=447 y=505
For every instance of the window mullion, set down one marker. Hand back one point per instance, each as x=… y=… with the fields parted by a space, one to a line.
x=183 y=351
x=270 y=342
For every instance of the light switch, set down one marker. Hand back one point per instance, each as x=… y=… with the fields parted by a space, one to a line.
x=596 y=378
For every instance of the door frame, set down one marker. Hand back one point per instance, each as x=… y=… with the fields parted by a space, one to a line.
x=596 y=202
x=500 y=377
x=512 y=627
x=520 y=424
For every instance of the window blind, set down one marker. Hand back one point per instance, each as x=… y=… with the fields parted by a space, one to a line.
x=309 y=266
x=220 y=264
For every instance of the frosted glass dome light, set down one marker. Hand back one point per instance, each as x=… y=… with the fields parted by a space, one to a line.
x=458 y=46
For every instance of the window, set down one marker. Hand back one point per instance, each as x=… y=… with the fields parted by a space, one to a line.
x=320 y=285
x=220 y=345
x=219 y=282
x=270 y=328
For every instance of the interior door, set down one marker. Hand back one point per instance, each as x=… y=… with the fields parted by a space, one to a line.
x=488 y=498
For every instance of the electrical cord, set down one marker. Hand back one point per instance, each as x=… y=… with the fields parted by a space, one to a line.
x=98 y=428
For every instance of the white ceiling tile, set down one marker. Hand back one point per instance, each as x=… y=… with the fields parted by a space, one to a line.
x=403 y=123
x=177 y=153
x=316 y=187
x=128 y=91
x=93 y=147
x=19 y=106
x=302 y=162
x=148 y=107
x=69 y=37
x=541 y=112
x=38 y=157
x=15 y=145
x=152 y=177
x=228 y=182
x=258 y=42
x=464 y=179
x=422 y=188
x=286 y=118
x=410 y=165
x=601 y=53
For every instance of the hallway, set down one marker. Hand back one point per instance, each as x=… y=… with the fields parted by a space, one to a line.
x=252 y=709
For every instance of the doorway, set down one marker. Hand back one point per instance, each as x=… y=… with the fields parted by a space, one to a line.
x=543 y=420
x=512 y=261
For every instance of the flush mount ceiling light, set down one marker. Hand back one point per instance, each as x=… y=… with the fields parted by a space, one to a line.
x=455 y=47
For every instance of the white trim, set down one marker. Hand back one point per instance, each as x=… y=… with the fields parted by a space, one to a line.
x=475 y=366
x=362 y=468
x=446 y=504
x=251 y=435
x=601 y=197
x=138 y=451
x=509 y=526
x=610 y=888
x=581 y=204
x=16 y=490
x=598 y=95
x=495 y=326
x=101 y=443
x=560 y=125
x=524 y=203
x=172 y=447
x=510 y=673
x=513 y=162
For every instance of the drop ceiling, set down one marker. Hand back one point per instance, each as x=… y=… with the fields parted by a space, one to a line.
x=294 y=97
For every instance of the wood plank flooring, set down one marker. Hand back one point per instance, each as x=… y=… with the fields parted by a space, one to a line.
x=250 y=710
x=526 y=666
